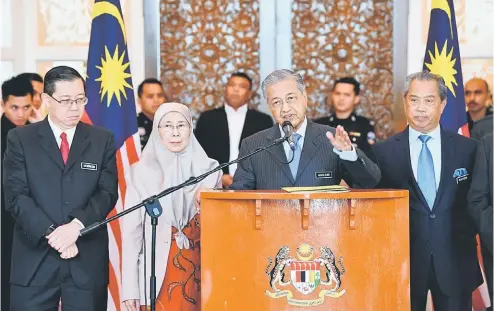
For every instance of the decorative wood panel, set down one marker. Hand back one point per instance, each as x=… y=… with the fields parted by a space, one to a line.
x=332 y=39
x=202 y=43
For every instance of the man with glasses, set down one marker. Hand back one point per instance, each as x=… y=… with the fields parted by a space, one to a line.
x=59 y=176
x=322 y=156
x=435 y=165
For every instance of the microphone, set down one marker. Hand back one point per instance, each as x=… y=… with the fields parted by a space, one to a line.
x=287 y=128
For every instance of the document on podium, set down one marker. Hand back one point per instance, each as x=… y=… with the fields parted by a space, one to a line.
x=327 y=189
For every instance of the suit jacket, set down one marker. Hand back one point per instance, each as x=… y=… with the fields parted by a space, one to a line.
x=446 y=234
x=213 y=135
x=7 y=224
x=318 y=166
x=482 y=127
x=40 y=191
x=480 y=194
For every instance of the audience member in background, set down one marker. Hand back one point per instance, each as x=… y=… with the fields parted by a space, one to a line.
x=345 y=97
x=480 y=204
x=476 y=98
x=17 y=100
x=435 y=166
x=151 y=95
x=220 y=131
x=39 y=110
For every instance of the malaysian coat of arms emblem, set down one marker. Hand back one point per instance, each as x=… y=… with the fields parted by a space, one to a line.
x=306 y=274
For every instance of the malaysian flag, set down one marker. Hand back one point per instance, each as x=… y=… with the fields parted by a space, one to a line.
x=111 y=105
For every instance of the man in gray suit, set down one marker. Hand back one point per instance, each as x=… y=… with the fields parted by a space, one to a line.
x=323 y=155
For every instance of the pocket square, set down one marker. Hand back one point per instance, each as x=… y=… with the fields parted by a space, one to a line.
x=460 y=174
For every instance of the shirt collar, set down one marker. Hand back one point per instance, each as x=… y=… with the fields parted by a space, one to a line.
x=301 y=130
x=435 y=134
x=241 y=110
x=58 y=131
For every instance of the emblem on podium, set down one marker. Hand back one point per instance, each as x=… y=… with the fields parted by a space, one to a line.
x=306 y=274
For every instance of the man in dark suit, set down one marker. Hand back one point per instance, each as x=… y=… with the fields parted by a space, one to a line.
x=482 y=127
x=220 y=131
x=17 y=101
x=480 y=203
x=435 y=166
x=322 y=155
x=59 y=176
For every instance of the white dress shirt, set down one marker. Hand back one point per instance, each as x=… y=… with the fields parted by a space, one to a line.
x=236 y=120
x=70 y=137
x=58 y=131
x=344 y=155
x=434 y=145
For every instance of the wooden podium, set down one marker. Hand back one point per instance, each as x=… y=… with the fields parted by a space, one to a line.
x=273 y=250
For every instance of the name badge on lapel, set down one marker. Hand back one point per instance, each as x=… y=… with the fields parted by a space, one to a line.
x=89 y=166
x=320 y=175
x=460 y=174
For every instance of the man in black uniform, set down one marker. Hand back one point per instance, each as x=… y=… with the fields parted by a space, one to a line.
x=151 y=95
x=345 y=96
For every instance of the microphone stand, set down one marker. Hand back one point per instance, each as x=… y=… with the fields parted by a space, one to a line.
x=154 y=210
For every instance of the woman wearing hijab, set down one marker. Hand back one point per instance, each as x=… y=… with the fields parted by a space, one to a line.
x=171 y=156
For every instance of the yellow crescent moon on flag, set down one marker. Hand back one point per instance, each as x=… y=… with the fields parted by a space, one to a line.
x=443 y=5
x=104 y=7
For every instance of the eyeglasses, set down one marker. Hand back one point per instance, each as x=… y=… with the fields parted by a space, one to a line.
x=291 y=100
x=168 y=128
x=68 y=102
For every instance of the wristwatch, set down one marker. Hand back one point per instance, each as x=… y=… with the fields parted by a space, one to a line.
x=49 y=230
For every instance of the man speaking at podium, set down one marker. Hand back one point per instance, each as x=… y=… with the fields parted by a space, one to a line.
x=319 y=155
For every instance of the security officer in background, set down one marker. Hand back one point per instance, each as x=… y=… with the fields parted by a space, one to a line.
x=345 y=97
x=151 y=95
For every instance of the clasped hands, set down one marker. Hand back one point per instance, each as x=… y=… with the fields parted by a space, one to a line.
x=63 y=239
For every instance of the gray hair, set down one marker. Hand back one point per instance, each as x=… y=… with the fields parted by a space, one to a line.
x=427 y=76
x=281 y=75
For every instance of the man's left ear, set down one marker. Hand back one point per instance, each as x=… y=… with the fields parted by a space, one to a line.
x=357 y=100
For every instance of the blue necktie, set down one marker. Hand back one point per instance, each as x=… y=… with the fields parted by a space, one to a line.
x=296 y=156
x=425 y=172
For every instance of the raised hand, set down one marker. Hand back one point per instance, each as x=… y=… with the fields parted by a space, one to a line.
x=340 y=140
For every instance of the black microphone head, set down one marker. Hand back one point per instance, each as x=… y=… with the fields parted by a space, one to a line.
x=287 y=124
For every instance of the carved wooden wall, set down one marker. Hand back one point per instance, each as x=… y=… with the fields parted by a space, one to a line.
x=332 y=39
x=202 y=43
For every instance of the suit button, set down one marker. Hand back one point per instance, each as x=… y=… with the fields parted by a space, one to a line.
x=432 y=216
